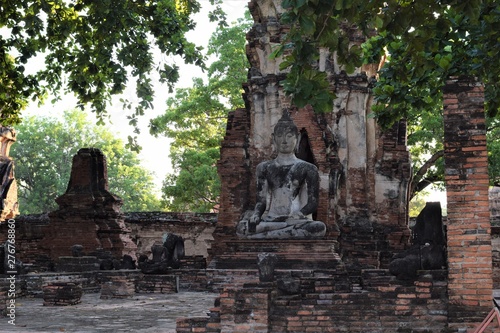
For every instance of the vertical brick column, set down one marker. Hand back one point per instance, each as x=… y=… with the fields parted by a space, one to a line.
x=466 y=175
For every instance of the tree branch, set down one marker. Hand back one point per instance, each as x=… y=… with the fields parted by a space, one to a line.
x=418 y=184
x=492 y=127
x=421 y=185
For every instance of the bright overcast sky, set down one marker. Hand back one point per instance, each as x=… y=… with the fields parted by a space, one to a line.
x=155 y=151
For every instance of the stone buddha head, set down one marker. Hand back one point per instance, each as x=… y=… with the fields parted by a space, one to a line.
x=285 y=134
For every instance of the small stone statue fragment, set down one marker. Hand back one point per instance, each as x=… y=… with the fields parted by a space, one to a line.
x=287 y=192
x=266 y=263
x=429 y=245
x=77 y=250
x=165 y=257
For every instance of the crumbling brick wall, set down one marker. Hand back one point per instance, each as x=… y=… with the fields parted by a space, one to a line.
x=145 y=230
x=328 y=304
x=196 y=229
x=495 y=255
x=30 y=230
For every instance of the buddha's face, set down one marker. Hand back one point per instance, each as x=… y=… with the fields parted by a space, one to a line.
x=285 y=140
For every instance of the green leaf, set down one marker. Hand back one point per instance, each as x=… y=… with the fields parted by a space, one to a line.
x=300 y=3
x=278 y=51
x=444 y=63
x=307 y=25
x=388 y=89
x=81 y=40
x=289 y=61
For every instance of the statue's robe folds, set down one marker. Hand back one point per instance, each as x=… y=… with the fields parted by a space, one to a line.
x=289 y=194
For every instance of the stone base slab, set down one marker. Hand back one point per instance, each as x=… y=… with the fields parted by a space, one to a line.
x=292 y=254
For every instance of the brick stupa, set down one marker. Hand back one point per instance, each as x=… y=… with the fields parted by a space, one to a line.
x=88 y=213
x=363 y=172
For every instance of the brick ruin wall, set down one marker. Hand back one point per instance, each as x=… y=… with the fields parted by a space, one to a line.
x=327 y=303
x=146 y=228
x=494 y=198
x=87 y=207
x=495 y=245
x=365 y=174
x=195 y=228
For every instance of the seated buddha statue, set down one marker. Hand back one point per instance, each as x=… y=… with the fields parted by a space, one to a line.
x=287 y=192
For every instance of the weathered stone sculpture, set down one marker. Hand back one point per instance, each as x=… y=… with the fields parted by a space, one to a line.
x=165 y=257
x=266 y=263
x=429 y=245
x=110 y=263
x=287 y=192
x=8 y=185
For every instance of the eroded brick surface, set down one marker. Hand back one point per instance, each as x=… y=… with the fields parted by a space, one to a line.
x=469 y=232
x=88 y=213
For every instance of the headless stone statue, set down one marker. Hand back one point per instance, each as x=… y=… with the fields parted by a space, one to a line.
x=287 y=192
x=429 y=245
x=165 y=256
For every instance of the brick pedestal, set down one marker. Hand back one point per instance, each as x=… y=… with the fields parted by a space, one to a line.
x=246 y=309
x=469 y=231
x=292 y=254
x=301 y=301
x=77 y=264
x=62 y=293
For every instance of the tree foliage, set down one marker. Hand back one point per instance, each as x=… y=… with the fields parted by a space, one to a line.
x=425 y=41
x=43 y=157
x=417 y=203
x=196 y=186
x=92 y=49
x=196 y=118
x=493 y=144
x=420 y=43
x=425 y=141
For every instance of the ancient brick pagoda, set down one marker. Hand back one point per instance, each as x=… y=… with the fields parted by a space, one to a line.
x=364 y=174
x=88 y=214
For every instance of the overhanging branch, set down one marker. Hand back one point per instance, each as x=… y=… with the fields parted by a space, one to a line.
x=419 y=183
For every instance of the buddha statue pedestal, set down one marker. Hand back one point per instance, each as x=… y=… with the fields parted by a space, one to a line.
x=291 y=254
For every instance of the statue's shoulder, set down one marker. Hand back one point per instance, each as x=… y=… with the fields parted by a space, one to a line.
x=264 y=165
x=307 y=166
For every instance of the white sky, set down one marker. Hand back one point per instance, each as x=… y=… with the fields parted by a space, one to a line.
x=155 y=151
